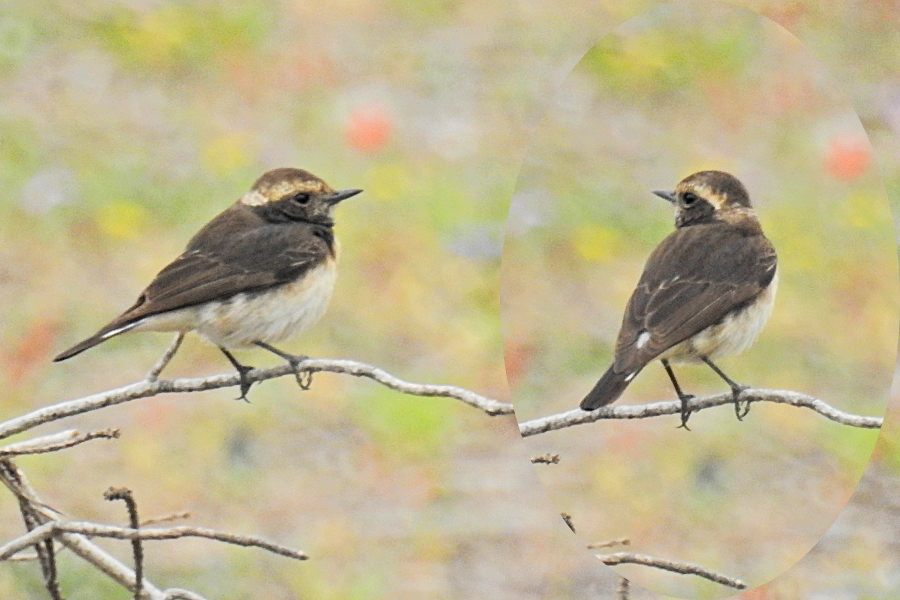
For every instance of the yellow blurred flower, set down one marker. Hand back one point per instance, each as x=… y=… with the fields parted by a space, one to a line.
x=160 y=34
x=596 y=242
x=227 y=152
x=863 y=211
x=122 y=219
x=387 y=182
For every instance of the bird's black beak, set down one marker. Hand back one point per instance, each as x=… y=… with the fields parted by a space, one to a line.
x=341 y=195
x=670 y=196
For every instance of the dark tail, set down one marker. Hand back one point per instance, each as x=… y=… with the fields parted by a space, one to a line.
x=607 y=390
x=111 y=330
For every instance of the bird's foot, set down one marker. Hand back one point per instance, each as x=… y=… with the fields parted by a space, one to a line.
x=685 y=410
x=245 y=383
x=736 y=390
x=303 y=376
x=242 y=371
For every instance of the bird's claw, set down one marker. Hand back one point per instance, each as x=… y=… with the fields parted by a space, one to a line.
x=303 y=377
x=685 y=411
x=736 y=395
x=245 y=384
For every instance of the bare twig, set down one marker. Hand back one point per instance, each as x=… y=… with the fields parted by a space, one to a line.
x=55 y=442
x=567 y=519
x=125 y=495
x=609 y=543
x=166 y=358
x=107 y=564
x=15 y=480
x=147 y=388
x=148 y=533
x=545 y=459
x=46 y=524
x=622 y=591
x=683 y=568
x=656 y=409
x=51 y=575
x=167 y=518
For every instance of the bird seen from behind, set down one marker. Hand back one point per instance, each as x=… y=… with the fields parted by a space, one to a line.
x=706 y=291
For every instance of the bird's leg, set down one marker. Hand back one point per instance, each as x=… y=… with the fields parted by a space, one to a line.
x=242 y=371
x=685 y=411
x=166 y=358
x=294 y=360
x=736 y=389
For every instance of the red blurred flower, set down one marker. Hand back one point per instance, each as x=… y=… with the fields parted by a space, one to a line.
x=368 y=129
x=847 y=159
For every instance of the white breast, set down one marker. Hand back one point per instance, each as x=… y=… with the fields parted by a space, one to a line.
x=269 y=316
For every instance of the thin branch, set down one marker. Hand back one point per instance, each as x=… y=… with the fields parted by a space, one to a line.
x=152 y=387
x=656 y=409
x=683 y=568
x=622 y=591
x=166 y=358
x=17 y=483
x=124 y=533
x=148 y=388
x=623 y=541
x=545 y=459
x=178 y=516
x=32 y=538
x=55 y=442
x=107 y=564
x=125 y=495
x=171 y=533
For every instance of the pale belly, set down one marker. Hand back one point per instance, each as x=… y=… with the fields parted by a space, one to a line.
x=269 y=316
x=733 y=335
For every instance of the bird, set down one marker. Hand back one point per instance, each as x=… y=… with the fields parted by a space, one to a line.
x=706 y=291
x=258 y=273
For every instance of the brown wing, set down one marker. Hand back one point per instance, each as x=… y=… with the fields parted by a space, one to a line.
x=692 y=280
x=262 y=257
x=236 y=252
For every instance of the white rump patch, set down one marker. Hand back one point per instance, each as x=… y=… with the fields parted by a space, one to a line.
x=643 y=338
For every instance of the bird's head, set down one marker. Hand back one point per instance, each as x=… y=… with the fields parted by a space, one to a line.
x=295 y=194
x=709 y=196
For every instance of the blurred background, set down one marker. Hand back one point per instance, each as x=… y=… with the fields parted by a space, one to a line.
x=126 y=125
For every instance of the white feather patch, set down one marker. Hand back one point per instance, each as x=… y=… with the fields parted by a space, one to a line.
x=642 y=340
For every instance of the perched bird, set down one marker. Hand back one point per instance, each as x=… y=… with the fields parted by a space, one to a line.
x=258 y=273
x=706 y=290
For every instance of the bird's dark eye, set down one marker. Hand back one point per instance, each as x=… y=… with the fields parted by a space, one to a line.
x=689 y=199
x=302 y=198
